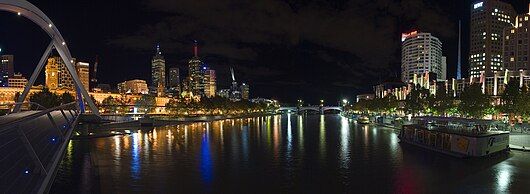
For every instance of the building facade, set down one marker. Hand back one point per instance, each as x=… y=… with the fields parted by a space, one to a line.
x=83 y=71
x=489 y=18
x=158 y=72
x=210 y=83
x=17 y=81
x=516 y=42
x=245 y=91
x=6 y=69
x=57 y=75
x=133 y=87
x=420 y=53
x=174 y=81
x=195 y=73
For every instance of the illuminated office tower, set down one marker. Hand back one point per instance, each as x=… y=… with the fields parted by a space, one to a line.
x=421 y=53
x=210 y=85
x=158 y=72
x=489 y=18
x=516 y=42
x=83 y=71
x=195 y=74
x=6 y=69
x=245 y=91
x=174 y=81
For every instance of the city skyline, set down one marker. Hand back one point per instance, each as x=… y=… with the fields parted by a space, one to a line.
x=343 y=80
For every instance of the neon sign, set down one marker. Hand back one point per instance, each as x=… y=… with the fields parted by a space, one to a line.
x=477 y=5
x=404 y=36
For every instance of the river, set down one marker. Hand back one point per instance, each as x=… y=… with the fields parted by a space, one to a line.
x=278 y=154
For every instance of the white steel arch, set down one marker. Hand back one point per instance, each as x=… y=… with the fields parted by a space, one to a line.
x=28 y=10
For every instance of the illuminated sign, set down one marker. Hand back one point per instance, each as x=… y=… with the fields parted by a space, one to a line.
x=404 y=36
x=477 y=5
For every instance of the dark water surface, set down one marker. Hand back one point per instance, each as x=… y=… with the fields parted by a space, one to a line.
x=279 y=154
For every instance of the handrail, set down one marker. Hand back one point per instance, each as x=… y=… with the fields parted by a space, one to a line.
x=61 y=121
x=39 y=107
x=9 y=125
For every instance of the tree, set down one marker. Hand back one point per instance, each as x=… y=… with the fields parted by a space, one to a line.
x=45 y=98
x=146 y=102
x=416 y=100
x=442 y=102
x=510 y=98
x=474 y=103
x=67 y=98
x=110 y=103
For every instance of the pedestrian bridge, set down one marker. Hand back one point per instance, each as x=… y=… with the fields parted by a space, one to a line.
x=32 y=144
x=320 y=109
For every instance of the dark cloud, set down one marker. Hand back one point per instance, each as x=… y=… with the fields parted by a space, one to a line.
x=355 y=39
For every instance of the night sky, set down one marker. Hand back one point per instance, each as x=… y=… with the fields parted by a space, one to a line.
x=285 y=50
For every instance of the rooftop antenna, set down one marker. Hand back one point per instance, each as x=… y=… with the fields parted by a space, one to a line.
x=195 y=48
x=459 y=65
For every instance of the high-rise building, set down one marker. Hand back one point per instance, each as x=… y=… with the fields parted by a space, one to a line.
x=516 y=42
x=57 y=75
x=420 y=53
x=83 y=71
x=174 y=81
x=158 y=72
x=197 y=77
x=210 y=85
x=444 y=68
x=245 y=91
x=6 y=69
x=489 y=18
x=133 y=87
x=17 y=81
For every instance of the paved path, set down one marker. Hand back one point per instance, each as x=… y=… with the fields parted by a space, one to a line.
x=518 y=140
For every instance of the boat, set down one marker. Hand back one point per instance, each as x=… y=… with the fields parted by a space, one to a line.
x=363 y=120
x=456 y=136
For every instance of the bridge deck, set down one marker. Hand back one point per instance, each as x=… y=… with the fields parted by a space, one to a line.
x=30 y=145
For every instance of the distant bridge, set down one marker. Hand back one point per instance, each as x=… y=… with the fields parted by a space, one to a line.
x=320 y=109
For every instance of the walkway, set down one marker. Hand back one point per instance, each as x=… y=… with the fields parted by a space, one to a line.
x=31 y=145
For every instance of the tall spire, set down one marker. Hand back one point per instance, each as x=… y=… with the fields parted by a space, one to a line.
x=158 y=52
x=233 y=76
x=195 y=48
x=459 y=67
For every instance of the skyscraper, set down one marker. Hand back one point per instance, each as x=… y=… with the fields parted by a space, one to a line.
x=489 y=18
x=210 y=85
x=6 y=69
x=245 y=91
x=516 y=42
x=443 y=76
x=57 y=76
x=174 y=81
x=420 y=53
x=83 y=71
x=158 y=72
x=197 y=77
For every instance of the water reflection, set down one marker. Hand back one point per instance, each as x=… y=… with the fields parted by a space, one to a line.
x=135 y=159
x=344 y=143
x=322 y=136
x=321 y=154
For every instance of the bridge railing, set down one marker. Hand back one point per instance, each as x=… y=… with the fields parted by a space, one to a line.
x=32 y=146
x=25 y=106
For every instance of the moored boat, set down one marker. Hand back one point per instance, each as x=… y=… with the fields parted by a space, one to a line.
x=456 y=136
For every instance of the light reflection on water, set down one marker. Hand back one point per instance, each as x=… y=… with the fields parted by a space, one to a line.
x=287 y=153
